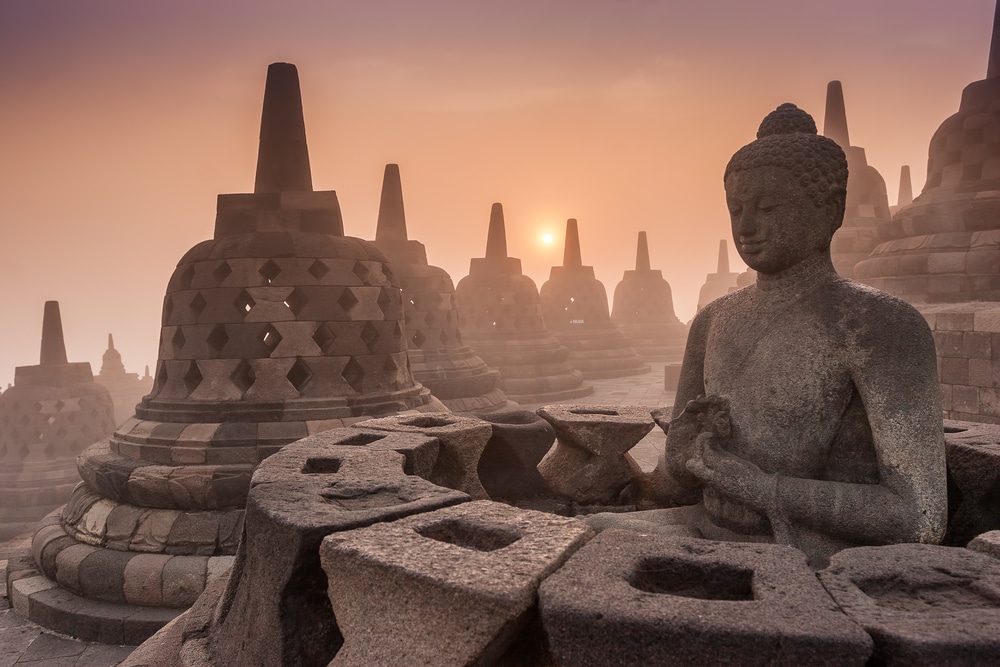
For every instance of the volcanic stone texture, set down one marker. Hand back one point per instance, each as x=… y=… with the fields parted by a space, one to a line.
x=438 y=358
x=973 y=454
x=53 y=411
x=922 y=604
x=452 y=587
x=500 y=317
x=644 y=311
x=867 y=200
x=575 y=310
x=636 y=599
x=508 y=468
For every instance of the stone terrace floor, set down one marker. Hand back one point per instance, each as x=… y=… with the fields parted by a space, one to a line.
x=24 y=643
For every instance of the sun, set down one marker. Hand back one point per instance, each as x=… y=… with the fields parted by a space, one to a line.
x=547 y=238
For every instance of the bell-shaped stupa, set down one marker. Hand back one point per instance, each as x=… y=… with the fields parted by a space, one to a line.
x=720 y=283
x=501 y=319
x=575 y=310
x=53 y=411
x=439 y=359
x=867 y=202
x=126 y=388
x=644 y=310
x=277 y=328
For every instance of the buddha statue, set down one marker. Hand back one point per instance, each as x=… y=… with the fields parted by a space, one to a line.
x=808 y=411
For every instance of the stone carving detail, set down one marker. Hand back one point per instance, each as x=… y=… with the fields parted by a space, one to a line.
x=501 y=319
x=575 y=310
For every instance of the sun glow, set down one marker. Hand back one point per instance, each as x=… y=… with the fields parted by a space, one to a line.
x=547 y=238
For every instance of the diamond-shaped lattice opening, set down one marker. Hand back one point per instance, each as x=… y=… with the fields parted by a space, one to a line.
x=270 y=337
x=178 y=340
x=299 y=374
x=161 y=378
x=386 y=298
x=242 y=376
x=222 y=271
x=192 y=378
x=168 y=308
x=198 y=304
x=347 y=300
x=269 y=271
x=218 y=338
x=59 y=405
x=244 y=302
x=361 y=270
x=318 y=269
x=369 y=334
x=397 y=332
x=354 y=373
x=418 y=338
x=325 y=338
x=296 y=301
x=444 y=338
x=186 y=277
x=430 y=319
x=390 y=365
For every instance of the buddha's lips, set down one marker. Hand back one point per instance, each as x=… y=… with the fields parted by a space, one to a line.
x=755 y=245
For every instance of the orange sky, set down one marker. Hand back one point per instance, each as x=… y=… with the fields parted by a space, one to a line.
x=120 y=121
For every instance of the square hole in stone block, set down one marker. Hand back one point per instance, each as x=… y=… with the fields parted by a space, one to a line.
x=941 y=592
x=703 y=581
x=427 y=422
x=360 y=440
x=321 y=466
x=469 y=535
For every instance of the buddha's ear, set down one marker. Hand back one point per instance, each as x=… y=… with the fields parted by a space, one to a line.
x=836 y=202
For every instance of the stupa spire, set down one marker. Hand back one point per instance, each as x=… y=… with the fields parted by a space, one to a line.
x=723 y=257
x=642 y=253
x=111 y=342
x=571 y=251
x=496 y=240
x=282 y=158
x=835 y=119
x=993 y=68
x=391 y=218
x=53 y=345
x=905 y=197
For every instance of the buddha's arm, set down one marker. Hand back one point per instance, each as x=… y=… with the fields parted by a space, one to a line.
x=894 y=370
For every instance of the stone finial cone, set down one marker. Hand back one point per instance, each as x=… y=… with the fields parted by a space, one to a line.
x=993 y=68
x=111 y=342
x=571 y=251
x=496 y=240
x=282 y=158
x=835 y=120
x=723 y=257
x=53 y=345
x=642 y=253
x=391 y=218
x=905 y=197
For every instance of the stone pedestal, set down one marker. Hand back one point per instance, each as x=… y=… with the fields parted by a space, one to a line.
x=644 y=311
x=500 y=317
x=53 y=411
x=575 y=310
x=438 y=358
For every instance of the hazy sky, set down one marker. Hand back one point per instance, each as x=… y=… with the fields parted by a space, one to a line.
x=121 y=120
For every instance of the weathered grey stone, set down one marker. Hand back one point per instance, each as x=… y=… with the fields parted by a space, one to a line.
x=973 y=452
x=451 y=587
x=987 y=543
x=632 y=599
x=922 y=604
x=275 y=609
x=590 y=462
x=508 y=467
x=462 y=440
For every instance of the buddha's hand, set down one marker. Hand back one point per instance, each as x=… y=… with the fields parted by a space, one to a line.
x=704 y=419
x=733 y=476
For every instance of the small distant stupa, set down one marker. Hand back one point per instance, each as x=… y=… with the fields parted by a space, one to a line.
x=905 y=196
x=644 y=310
x=575 y=310
x=126 y=389
x=53 y=411
x=720 y=283
x=500 y=316
x=438 y=358
x=867 y=202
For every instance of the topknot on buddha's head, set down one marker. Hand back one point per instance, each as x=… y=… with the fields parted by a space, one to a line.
x=787 y=138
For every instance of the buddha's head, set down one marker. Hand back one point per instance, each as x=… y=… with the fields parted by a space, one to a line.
x=786 y=192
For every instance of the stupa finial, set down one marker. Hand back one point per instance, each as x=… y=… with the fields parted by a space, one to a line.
x=571 y=251
x=905 y=197
x=111 y=342
x=53 y=345
x=993 y=68
x=496 y=240
x=391 y=218
x=723 y=257
x=835 y=119
x=642 y=253
x=283 y=157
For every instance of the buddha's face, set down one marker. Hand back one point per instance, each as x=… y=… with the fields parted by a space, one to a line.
x=775 y=223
